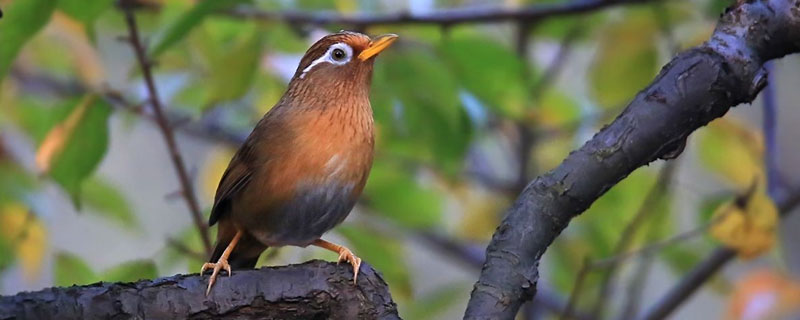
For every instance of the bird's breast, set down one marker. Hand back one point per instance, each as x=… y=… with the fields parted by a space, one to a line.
x=325 y=147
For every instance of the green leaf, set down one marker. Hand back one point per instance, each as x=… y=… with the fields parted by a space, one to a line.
x=36 y=117
x=131 y=271
x=682 y=258
x=557 y=109
x=84 y=150
x=714 y=8
x=384 y=253
x=6 y=254
x=393 y=193
x=566 y=258
x=490 y=70
x=70 y=270
x=85 y=11
x=710 y=204
x=733 y=151
x=416 y=104
x=233 y=73
x=106 y=201
x=626 y=60
x=178 y=30
x=600 y=225
x=22 y=20
x=15 y=182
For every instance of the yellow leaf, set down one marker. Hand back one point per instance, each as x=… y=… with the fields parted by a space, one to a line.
x=57 y=138
x=26 y=234
x=733 y=150
x=747 y=224
x=213 y=169
x=480 y=209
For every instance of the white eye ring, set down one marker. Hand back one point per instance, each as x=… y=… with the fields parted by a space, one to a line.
x=333 y=55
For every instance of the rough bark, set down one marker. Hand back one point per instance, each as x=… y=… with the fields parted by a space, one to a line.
x=697 y=86
x=312 y=290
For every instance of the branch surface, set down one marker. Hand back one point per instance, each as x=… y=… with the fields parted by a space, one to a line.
x=697 y=86
x=312 y=290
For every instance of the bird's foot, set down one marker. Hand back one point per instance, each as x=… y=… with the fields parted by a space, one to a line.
x=220 y=265
x=346 y=255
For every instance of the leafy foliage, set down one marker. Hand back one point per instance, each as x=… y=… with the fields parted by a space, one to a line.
x=23 y=20
x=626 y=59
x=440 y=95
x=74 y=147
x=179 y=28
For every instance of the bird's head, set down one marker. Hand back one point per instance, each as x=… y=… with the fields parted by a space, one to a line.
x=338 y=63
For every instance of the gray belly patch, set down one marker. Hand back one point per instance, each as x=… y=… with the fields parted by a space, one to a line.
x=313 y=211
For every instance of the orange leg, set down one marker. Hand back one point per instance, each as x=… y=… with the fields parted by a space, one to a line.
x=222 y=263
x=344 y=255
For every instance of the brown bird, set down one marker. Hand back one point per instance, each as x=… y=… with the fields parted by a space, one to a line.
x=303 y=167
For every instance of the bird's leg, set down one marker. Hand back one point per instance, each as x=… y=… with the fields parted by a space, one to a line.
x=222 y=263
x=344 y=255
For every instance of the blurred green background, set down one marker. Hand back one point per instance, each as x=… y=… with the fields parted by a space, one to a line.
x=465 y=114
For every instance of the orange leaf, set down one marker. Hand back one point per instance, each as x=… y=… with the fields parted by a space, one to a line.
x=57 y=138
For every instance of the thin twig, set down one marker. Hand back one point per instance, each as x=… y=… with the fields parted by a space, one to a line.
x=527 y=140
x=634 y=289
x=448 y=17
x=690 y=283
x=708 y=267
x=554 y=68
x=769 y=127
x=657 y=246
x=576 y=289
x=165 y=128
x=629 y=233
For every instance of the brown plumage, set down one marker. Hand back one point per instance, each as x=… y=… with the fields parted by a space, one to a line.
x=301 y=170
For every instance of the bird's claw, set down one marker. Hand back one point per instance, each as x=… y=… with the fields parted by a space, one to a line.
x=220 y=265
x=347 y=255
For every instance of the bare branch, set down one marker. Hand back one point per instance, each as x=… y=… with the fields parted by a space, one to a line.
x=655 y=195
x=448 y=18
x=576 y=289
x=187 y=189
x=708 y=267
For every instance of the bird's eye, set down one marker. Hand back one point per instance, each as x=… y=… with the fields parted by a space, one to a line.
x=338 y=54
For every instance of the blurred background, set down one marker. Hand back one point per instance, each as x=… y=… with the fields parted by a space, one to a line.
x=466 y=113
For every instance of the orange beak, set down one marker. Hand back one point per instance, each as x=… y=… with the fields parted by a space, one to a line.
x=377 y=45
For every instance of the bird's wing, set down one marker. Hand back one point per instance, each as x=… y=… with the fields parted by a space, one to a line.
x=235 y=178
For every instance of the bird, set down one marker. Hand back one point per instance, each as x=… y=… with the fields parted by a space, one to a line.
x=301 y=170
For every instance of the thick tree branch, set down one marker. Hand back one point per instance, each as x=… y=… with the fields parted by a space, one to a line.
x=697 y=86
x=312 y=290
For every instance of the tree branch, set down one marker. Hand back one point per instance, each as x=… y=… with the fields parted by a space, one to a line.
x=442 y=17
x=312 y=290
x=697 y=86
x=710 y=266
x=187 y=190
x=629 y=232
